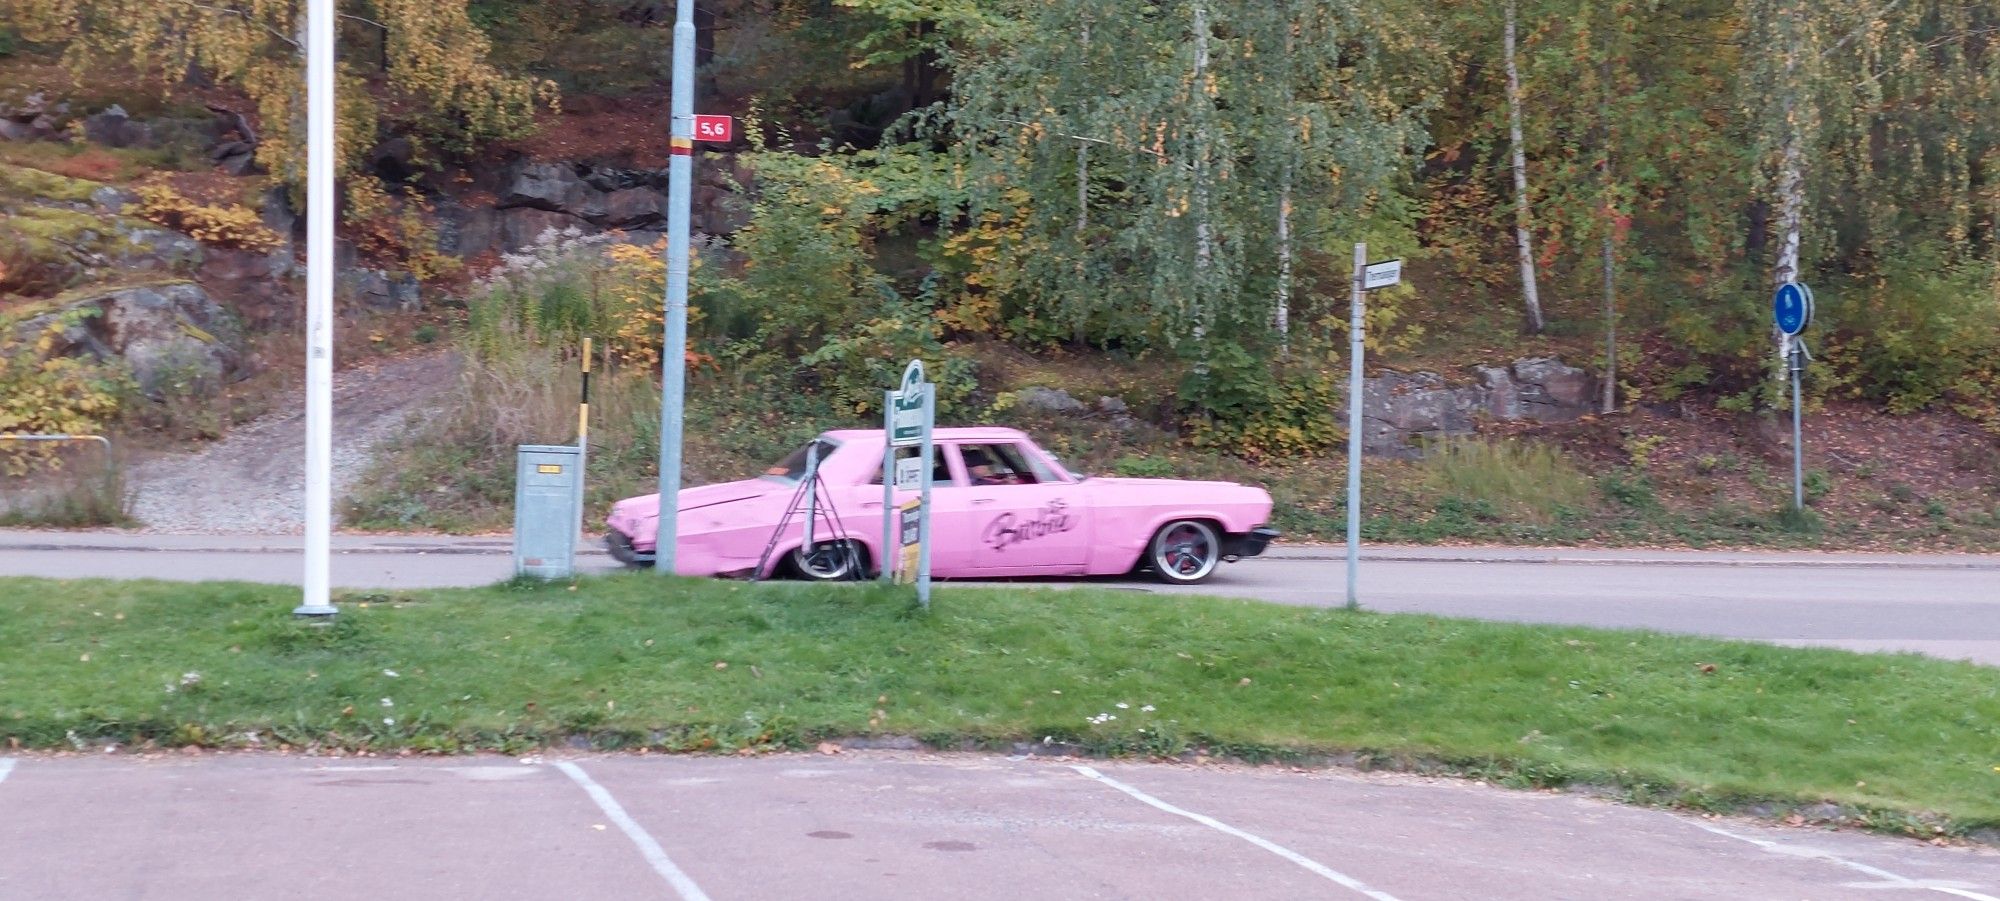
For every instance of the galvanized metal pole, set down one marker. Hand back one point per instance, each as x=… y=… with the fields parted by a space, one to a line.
x=812 y=500
x=319 y=308
x=1798 y=448
x=673 y=356
x=1354 y=431
x=890 y=544
x=924 y=513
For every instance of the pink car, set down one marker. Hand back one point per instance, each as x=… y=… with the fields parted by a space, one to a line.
x=1000 y=506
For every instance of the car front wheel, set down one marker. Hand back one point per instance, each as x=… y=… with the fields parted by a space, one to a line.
x=828 y=561
x=1184 y=552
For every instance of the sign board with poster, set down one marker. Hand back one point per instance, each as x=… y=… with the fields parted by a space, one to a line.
x=908 y=416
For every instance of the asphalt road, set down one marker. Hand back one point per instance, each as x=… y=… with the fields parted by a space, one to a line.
x=888 y=825
x=1943 y=605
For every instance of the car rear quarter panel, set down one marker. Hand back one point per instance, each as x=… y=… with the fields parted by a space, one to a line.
x=1125 y=513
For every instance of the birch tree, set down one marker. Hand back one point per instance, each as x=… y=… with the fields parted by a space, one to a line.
x=1523 y=213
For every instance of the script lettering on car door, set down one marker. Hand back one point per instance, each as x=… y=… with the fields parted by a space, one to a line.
x=1009 y=529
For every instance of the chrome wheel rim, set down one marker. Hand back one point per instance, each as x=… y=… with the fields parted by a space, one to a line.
x=1186 y=551
x=828 y=560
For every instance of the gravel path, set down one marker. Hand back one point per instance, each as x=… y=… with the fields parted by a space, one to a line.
x=253 y=481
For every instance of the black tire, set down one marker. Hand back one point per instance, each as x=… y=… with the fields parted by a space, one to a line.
x=622 y=551
x=1184 y=552
x=830 y=561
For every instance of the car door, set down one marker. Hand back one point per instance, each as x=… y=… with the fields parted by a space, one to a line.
x=951 y=513
x=1028 y=521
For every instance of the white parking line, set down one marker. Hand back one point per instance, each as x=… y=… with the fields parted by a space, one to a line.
x=1219 y=826
x=655 y=855
x=6 y=766
x=1817 y=854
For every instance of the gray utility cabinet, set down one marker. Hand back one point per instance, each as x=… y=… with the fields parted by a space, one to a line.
x=545 y=510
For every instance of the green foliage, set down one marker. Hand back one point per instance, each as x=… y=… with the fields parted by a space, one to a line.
x=854 y=369
x=1117 y=186
x=1633 y=490
x=1921 y=333
x=1242 y=406
x=1504 y=478
x=810 y=304
x=1800 y=520
x=431 y=61
x=1138 y=467
x=40 y=393
x=1818 y=484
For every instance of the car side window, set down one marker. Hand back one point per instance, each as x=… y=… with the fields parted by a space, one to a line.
x=940 y=464
x=997 y=464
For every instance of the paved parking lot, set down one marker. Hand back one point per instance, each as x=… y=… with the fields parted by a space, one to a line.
x=887 y=825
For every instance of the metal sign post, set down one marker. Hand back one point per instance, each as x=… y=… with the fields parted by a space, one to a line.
x=317 y=603
x=1792 y=308
x=888 y=488
x=1354 y=429
x=1367 y=277
x=909 y=414
x=673 y=355
x=929 y=455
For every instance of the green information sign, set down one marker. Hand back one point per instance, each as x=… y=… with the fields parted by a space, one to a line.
x=906 y=414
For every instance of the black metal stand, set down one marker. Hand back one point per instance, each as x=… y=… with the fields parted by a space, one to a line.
x=818 y=508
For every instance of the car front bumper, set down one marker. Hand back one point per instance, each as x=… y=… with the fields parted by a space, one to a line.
x=1248 y=544
x=622 y=550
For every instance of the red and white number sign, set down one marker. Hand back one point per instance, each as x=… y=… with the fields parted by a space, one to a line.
x=714 y=129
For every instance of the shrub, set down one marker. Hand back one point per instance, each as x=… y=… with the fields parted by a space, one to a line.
x=1631 y=490
x=396 y=230
x=232 y=225
x=1922 y=336
x=60 y=395
x=1242 y=406
x=1138 y=467
x=1505 y=478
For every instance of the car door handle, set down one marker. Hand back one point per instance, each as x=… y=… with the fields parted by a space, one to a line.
x=870 y=504
x=981 y=500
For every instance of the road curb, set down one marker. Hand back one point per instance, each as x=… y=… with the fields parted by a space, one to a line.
x=1559 y=560
x=503 y=548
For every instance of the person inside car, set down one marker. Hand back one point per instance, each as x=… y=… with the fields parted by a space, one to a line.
x=984 y=470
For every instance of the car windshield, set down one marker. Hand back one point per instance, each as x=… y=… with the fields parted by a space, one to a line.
x=793 y=467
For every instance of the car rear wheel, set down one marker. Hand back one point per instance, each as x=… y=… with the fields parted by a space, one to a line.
x=829 y=561
x=1184 y=551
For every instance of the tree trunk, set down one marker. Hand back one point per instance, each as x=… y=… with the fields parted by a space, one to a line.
x=1082 y=208
x=1083 y=172
x=1204 y=251
x=1610 y=402
x=1281 y=308
x=1791 y=178
x=1791 y=210
x=1281 y=312
x=1523 y=216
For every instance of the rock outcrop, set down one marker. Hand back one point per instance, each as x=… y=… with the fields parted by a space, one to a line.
x=173 y=331
x=1400 y=411
x=535 y=197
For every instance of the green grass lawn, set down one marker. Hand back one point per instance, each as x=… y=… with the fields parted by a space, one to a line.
x=1902 y=741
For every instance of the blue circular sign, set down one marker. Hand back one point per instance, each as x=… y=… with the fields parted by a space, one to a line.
x=1793 y=307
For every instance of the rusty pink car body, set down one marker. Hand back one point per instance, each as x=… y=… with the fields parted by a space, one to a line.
x=1001 y=507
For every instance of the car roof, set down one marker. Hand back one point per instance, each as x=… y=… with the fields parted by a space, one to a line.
x=970 y=433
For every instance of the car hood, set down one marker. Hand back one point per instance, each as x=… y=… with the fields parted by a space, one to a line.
x=648 y=506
